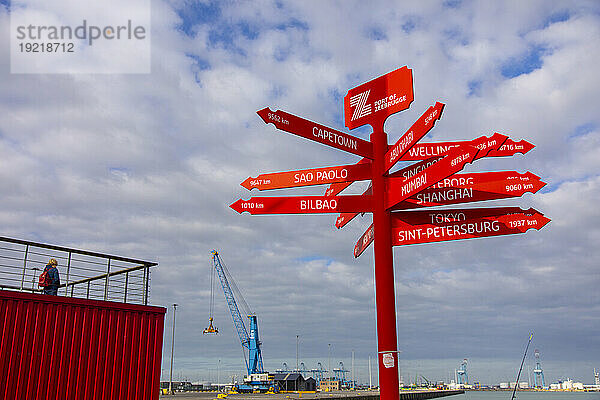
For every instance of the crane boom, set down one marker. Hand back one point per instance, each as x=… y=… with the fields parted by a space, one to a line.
x=254 y=363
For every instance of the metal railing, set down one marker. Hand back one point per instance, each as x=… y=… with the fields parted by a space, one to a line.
x=83 y=274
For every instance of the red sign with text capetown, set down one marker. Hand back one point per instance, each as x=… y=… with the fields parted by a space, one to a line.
x=433 y=180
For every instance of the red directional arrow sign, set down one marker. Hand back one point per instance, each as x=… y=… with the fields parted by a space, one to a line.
x=422 y=151
x=307 y=177
x=304 y=204
x=344 y=218
x=468 y=188
x=412 y=227
x=401 y=189
x=413 y=135
x=374 y=101
x=317 y=132
x=336 y=188
x=365 y=240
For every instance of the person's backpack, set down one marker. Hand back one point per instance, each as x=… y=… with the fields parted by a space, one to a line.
x=45 y=279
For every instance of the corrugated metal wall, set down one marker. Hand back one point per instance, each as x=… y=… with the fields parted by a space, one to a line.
x=53 y=347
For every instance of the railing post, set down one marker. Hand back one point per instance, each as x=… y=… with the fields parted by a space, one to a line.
x=126 y=284
x=68 y=272
x=24 y=267
x=106 y=282
x=147 y=270
x=87 y=296
x=33 y=280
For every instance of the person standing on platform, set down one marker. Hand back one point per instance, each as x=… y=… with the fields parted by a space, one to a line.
x=52 y=281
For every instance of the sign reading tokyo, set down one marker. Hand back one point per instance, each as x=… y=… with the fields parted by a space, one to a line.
x=374 y=101
x=413 y=227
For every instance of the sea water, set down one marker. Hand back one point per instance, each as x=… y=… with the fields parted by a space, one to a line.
x=506 y=395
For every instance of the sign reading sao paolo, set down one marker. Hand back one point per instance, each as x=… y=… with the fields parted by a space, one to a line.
x=374 y=101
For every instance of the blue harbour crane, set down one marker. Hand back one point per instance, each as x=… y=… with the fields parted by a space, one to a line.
x=257 y=378
x=538 y=373
x=461 y=374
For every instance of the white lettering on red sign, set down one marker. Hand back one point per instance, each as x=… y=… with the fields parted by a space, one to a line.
x=432 y=232
x=401 y=146
x=444 y=195
x=426 y=151
x=414 y=184
x=318 y=205
x=335 y=138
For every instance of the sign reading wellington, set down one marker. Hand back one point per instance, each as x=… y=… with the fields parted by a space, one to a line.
x=434 y=179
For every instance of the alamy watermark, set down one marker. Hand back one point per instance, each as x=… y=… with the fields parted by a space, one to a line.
x=95 y=36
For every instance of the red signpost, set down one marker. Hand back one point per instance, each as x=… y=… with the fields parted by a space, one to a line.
x=308 y=177
x=432 y=181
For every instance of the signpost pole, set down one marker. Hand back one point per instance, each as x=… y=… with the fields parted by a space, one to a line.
x=387 y=342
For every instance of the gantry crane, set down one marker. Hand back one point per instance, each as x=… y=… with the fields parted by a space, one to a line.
x=257 y=378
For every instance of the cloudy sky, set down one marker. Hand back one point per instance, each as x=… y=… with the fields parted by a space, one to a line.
x=146 y=165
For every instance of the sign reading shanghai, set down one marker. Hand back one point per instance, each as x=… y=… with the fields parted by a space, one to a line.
x=415 y=227
x=473 y=187
x=317 y=132
x=374 y=101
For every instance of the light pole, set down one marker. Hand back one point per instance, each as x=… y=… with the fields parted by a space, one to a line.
x=370 y=380
x=329 y=362
x=353 y=387
x=219 y=376
x=172 y=348
x=297 y=338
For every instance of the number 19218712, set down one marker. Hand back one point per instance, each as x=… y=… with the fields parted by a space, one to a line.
x=49 y=47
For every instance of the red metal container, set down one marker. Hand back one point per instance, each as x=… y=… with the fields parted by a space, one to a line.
x=54 y=347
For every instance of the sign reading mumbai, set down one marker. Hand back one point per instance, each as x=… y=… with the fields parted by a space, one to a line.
x=453 y=162
x=374 y=101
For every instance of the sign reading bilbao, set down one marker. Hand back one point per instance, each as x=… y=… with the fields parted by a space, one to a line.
x=378 y=99
x=303 y=204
